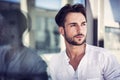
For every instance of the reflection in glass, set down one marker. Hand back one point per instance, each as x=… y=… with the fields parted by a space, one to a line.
x=47 y=36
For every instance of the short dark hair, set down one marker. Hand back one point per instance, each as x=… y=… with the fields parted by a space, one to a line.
x=22 y=21
x=61 y=15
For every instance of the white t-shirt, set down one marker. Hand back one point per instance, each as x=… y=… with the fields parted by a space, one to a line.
x=97 y=64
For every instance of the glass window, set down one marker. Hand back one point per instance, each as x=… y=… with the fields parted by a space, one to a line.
x=47 y=37
x=15 y=1
x=110 y=33
x=80 y=1
x=48 y=4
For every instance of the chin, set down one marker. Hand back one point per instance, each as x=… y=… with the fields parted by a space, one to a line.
x=82 y=42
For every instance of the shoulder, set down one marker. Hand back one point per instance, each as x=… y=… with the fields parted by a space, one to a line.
x=56 y=60
x=31 y=61
x=98 y=50
x=55 y=63
x=29 y=53
x=102 y=55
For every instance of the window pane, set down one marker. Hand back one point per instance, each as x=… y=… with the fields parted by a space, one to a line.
x=48 y=4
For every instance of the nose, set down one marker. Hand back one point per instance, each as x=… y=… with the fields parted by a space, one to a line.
x=79 y=28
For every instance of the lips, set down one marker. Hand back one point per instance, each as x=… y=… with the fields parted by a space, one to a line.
x=79 y=36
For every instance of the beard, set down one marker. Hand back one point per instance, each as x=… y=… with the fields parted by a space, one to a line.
x=72 y=41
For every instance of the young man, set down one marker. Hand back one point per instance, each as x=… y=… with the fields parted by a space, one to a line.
x=17 y=62
x=80 y=61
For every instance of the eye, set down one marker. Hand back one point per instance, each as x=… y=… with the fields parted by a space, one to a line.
x=84 y=24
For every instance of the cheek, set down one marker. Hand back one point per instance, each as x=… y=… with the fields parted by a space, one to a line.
x=85 y=31
x=71 y=34
x=72 y=30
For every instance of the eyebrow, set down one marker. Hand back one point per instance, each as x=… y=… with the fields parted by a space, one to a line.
x=84 y=22
x=76 y=23
x=72 y=23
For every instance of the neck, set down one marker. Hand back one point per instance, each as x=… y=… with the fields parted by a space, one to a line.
x=75 y=51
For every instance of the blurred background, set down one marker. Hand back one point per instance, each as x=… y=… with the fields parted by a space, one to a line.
x=103 y=20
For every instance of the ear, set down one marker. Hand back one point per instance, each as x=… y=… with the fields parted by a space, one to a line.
x=61 y=30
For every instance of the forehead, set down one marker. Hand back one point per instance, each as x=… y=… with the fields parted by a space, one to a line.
x=75 y=16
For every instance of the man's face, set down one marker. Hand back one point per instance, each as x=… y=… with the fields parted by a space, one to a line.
x=8 y=32
x=6 y=35
x=75 y=29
